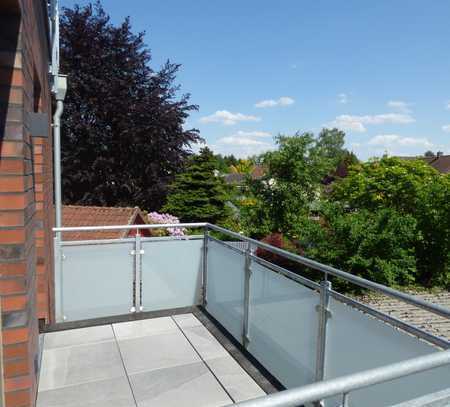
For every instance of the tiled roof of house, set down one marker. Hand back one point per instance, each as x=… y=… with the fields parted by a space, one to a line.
x=234 y=178
x=442 y=164
x=439 y=162
x=418 y=317
x=258 y=171
x=75 y=215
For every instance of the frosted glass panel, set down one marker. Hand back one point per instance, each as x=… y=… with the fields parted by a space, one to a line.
x=225 y=287
x=97 y=280
x=171 y=273
x=283 y=326
x=356 y=342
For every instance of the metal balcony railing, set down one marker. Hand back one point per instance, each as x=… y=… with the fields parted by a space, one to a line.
x=320 y=344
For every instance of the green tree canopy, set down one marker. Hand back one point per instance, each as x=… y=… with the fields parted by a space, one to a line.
x=412 y=188
x=198 y=194
x=123 y=135
x=377 y=245
x=292 y=179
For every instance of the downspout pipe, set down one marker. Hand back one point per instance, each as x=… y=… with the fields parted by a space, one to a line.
x=57 y=160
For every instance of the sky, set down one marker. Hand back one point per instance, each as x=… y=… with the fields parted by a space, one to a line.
x=379 y=70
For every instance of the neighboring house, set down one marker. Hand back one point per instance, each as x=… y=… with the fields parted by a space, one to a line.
x=439 y=162
x=74 y=215
x=238 y=179
x=235 y=179
x=26 y=192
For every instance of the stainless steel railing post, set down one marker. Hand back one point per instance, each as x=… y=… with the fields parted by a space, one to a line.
x=324 y=314
x=139 y=254
x=345 y=400
x=247 y=276
x=58 y=267
x=205 y=266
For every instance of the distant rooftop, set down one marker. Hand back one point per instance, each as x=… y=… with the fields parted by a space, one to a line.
x=418 y=317
x=77 y=215
x=439 y=162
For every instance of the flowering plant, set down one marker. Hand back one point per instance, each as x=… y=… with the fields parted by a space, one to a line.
x=166 y=218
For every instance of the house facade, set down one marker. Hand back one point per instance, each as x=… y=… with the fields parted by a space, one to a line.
x=26 y=194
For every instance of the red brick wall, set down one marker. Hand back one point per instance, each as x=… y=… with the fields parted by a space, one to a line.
x=25 y=196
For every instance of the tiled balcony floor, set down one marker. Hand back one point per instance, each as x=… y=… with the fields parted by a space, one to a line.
x=167 y=361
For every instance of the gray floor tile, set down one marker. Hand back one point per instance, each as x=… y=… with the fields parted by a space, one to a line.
x=190 y=385
x=186 y=320
x=145 y=327
x=106 y=393
x=156 y=352
x=204 y=342
x=235 y=379
x=78 y=336
x=80 y=364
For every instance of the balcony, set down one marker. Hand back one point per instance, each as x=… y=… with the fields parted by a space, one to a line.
x=201 y=320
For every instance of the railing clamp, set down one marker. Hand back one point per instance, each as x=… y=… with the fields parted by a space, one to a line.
x=246 y=341
x=326 y=311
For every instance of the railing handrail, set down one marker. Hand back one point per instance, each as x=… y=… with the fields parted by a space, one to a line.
x=418 y=302
x=126 y=227
x=346 y=384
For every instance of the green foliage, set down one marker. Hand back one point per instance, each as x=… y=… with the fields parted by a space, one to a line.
x=224 y=163
x=379 y=246
x=292 y=179
x=198 y=194
x=414 y=189
x=243 y=166
x=124 y=127
x=385 y=182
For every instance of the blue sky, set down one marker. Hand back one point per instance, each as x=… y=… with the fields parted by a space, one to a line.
x=380 y=70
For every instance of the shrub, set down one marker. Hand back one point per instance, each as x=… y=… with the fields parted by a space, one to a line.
x=165 y=218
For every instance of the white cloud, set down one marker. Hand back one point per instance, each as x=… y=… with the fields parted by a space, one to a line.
x=400 y=106
x=241 y=133
x=446 y=128
x=343 y=98
x=282 y=101
x=228 y=118
x=357 y=123
x=241 y=146
x=242 y=141
x=447 y=105
x=395 y=141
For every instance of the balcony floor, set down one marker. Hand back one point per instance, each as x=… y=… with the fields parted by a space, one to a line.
x=167 y=361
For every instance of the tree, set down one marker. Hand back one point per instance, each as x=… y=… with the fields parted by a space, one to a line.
x=198 y=194
x=225 y=163
x=377 y=245
x=243 y=166
x=429 y=153
x=123 y=135
x=412 y=188
x=291 y=182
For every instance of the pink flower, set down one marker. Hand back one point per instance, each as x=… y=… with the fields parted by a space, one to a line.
x=166 y=218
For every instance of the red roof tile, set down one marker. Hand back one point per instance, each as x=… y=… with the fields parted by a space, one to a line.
x=74 y=215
